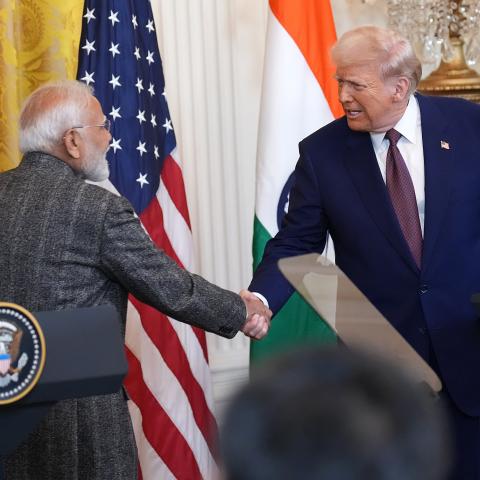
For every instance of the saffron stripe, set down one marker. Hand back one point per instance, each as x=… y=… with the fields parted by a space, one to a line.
x=310 y=24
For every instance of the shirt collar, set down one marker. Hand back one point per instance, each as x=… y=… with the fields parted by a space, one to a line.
x=407 y=125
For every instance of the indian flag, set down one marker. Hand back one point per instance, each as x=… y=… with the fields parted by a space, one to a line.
x=299 y=96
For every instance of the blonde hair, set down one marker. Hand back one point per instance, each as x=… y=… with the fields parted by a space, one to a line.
x=392 y=52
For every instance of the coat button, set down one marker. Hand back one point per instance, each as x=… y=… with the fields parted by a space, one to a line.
x=423 y=288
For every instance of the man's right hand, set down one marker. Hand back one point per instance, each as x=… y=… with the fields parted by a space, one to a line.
x=258 y=316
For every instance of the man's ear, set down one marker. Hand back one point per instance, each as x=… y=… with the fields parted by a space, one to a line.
x=402 y=85
x=71 y=140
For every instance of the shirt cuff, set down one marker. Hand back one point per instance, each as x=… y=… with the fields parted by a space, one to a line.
x=262 y=298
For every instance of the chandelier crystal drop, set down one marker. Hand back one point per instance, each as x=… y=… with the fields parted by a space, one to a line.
x=432 y=24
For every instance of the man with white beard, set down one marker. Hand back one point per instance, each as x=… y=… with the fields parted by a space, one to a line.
x=65 y=243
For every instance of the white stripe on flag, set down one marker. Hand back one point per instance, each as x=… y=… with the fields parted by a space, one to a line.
x=196 y=359
x=295 y=90
x=176 y=228
x=175 y=156
x=151 y=464
x=165 y=387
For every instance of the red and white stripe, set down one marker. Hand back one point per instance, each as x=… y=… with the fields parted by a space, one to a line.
x=169 y=378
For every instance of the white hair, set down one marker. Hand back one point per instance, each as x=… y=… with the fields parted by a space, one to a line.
x=50 y=111
x=386 y=48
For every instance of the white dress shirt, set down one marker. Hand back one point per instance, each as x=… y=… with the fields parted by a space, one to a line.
x=411 y=148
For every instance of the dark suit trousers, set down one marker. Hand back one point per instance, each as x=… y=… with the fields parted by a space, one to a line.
x=465 y=432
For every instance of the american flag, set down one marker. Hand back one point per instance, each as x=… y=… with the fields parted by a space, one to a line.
x=169 y=379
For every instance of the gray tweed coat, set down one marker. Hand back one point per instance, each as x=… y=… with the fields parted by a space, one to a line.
x=65 y=244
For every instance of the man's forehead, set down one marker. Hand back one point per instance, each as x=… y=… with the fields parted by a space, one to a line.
x=94 y=103
x=358 y=71
x=94 y=107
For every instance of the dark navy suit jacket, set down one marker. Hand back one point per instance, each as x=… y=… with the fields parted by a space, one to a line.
x=339 y=189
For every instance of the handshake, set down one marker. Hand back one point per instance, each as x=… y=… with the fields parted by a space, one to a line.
x=258 y=316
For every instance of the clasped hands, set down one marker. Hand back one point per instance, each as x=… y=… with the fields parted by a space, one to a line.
x=258 y=316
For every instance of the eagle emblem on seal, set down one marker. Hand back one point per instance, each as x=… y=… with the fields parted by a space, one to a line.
x=10 y=339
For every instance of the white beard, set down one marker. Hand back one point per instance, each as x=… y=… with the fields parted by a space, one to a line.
x=95 y=167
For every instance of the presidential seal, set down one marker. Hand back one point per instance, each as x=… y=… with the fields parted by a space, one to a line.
x=22 y=352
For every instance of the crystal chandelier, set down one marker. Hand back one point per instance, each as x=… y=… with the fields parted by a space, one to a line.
x=435 y=27
x=445 y=32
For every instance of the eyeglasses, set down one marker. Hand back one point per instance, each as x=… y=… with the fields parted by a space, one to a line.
x=106 y=125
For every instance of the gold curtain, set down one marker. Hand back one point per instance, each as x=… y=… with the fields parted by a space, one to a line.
x=38 y=43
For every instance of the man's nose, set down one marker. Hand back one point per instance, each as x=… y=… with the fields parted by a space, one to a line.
x=344 y=93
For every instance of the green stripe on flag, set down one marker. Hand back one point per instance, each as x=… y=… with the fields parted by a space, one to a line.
x=260 y=239
x=295 y=324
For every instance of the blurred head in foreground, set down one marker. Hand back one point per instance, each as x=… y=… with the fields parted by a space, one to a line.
x=333 y=414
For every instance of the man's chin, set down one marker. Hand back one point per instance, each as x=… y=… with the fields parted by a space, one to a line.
x=99 y=173
x=357 y=125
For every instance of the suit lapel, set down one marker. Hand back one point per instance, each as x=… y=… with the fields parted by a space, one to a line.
x=438 y=164
x=362 y=165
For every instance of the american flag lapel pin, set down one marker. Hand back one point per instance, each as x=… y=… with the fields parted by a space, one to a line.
x=444 y=145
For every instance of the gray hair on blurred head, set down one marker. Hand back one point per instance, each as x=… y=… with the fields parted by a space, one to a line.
x=51 y=110
x=392 y=52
